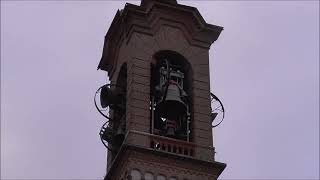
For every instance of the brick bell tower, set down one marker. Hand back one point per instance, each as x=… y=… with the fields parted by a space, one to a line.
x=159 y=120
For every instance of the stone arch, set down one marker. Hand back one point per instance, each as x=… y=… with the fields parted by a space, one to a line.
x=161 y=177
x=135 y=174
x=148 y=176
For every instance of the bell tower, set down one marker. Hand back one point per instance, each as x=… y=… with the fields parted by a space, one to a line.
x=158 y=104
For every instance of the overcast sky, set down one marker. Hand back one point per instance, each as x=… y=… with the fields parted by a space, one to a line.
x=264 y=67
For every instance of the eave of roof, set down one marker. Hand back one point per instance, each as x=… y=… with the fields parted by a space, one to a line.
x=118 y=24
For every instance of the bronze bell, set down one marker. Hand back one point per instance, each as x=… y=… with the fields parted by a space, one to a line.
x=119 y=136
x=171 y=128
x=120 y=133
x=109 y=96
x=170 y=132
x=172 y=106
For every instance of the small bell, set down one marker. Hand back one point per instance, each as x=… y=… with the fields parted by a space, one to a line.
x=171 y=128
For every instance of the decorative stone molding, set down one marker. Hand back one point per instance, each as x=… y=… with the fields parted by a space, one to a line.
x=138 y=19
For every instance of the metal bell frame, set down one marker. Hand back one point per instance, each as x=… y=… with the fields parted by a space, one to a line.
x=214 y=110
x=106 y=124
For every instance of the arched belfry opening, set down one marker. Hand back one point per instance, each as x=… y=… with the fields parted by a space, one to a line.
x=171 y=95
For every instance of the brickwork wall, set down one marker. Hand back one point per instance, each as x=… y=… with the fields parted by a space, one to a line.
x=161 y=165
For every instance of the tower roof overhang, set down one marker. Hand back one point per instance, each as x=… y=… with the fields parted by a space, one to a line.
x=146 y=19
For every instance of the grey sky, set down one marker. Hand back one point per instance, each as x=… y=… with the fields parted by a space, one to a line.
x=264 y=67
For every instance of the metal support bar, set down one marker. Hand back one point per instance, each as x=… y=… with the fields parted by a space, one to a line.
x=188 y=117
x=152 y=114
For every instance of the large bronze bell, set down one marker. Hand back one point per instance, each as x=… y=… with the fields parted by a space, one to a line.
x=119 y=136
x=109 y=96
x=171 y=107
x=120 y=133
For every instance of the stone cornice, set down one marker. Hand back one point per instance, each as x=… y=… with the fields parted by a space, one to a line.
x=148 y=19
x=202 y=166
